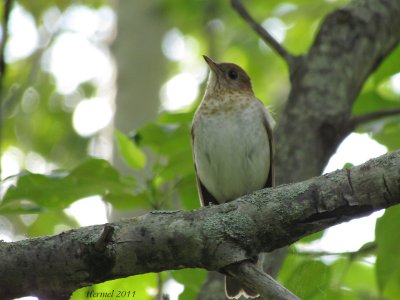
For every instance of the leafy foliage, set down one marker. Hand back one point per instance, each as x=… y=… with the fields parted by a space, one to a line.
x=131 y=154
x=388 y=264
x=58 y=190
x=38 y=118
x=190 y=278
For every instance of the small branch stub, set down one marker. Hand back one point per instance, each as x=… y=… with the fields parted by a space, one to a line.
x=105 y=237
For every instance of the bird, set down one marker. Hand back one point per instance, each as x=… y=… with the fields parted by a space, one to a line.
x=232 y=144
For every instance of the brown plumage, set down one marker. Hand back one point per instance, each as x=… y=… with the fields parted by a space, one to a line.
x=232 y=143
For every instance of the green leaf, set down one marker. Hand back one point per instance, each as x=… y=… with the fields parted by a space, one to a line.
x=188 y=294
x=388 y=262
x=36 y=192
x=127 y=201
x=360 y=278
x=180 y=163
x=171 y=118
x=129 y=151
x=370 y=101
x=389 y=66
x=188 y=192
x=386 y=90
x=389 y=133
x=292 y=261
x=336 y=294
x=309 y=279
x=348 y=166
x=165 y=138
x=192 y=279
x=312 y=237
x=46 y=223
x=392 y=287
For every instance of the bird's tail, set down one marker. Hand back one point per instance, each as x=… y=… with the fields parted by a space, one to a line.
x=234 y=289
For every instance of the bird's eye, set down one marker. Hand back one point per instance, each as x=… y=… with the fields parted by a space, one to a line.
x=233 y=74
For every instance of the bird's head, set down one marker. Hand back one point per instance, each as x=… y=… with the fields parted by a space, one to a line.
x=227 y=78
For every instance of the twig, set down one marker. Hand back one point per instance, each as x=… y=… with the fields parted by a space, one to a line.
x=160 y=285
x=264 y=34
x=4 y=34
x=357 y=120
x=352 y=254
x=253 y=277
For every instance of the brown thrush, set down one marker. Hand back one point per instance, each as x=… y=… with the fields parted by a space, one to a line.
x=232 y=144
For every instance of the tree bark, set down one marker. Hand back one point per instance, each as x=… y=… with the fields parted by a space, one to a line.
x=350 y=45
x=209 y=237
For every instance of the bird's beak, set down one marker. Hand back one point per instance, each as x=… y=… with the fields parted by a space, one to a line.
x=212 y=64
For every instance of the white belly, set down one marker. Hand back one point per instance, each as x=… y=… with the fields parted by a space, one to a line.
x=231 y=154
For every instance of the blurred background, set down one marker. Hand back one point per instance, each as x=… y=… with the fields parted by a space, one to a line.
x=97 y=97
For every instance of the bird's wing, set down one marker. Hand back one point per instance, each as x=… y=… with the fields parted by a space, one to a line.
x=269 y=123
x=206 y=198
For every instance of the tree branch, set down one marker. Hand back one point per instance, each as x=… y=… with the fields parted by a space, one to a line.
x=255 y=278
x=4 y=34
x=264 y=34
x=349 y=46
x=7 y=6
x=368 y=249
x=357 y=120
x=210 y=237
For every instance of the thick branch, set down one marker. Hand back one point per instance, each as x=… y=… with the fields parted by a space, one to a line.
x=350 y=45
x=264 y=34
x=210 y=237
x=325 y=82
